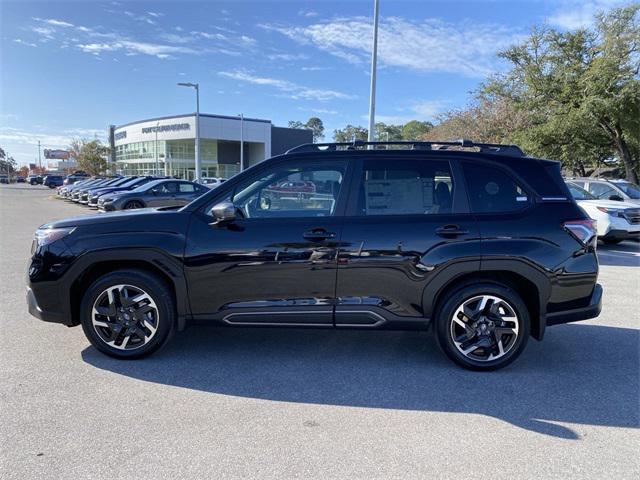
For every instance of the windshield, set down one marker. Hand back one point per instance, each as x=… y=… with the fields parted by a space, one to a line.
x=630 y=189
x=579 y=193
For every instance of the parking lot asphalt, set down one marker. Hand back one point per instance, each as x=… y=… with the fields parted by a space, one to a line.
x=261 y=403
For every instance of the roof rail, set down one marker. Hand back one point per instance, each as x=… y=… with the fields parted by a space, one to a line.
x=494 y=148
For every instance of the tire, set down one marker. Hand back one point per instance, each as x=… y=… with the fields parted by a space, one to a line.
x=133 y=204
x=476 y=345
x=119 y=328
x=611 y=241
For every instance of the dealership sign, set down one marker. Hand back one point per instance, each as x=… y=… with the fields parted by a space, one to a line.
x=167 y=128
x=56 y=154
x=120 y=135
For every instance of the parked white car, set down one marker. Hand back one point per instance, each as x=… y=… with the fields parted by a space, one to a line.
x=616 y=189
x=213 y=182
x=616 y=220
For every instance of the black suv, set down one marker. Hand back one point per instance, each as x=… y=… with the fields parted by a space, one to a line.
x=478 y=240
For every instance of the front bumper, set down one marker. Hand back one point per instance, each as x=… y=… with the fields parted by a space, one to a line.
x=592 y=310
x=46 y=316
x=621 y=235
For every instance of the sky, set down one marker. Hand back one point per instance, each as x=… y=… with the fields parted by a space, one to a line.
x=70 y=69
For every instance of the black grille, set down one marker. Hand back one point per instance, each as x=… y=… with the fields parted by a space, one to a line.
x=632 y=215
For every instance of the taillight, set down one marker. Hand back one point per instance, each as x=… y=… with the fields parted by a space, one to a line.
x=582 y=230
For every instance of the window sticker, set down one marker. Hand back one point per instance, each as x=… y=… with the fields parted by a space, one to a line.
x=399 y=196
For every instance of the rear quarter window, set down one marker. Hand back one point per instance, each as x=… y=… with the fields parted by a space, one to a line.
x=492 y=190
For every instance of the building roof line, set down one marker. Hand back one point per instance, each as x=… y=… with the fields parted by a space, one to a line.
x=208 y=115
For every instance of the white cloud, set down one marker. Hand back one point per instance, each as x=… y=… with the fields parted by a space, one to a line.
x=308 y=13
x=290 y=89
x=48 y=139
x=287 y=57
x=45 y=33
x=429 y=45
x=133 y=47
x=574 y=14
x=22 y=42
x=423 y=110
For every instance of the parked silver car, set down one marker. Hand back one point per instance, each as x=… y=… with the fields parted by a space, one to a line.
x=159 y=193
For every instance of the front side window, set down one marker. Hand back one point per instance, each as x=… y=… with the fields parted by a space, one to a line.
x=405 y=187
x=631 y=189
x=601 y=190
x=165 y=188
x=491 y=190
x=290 y=191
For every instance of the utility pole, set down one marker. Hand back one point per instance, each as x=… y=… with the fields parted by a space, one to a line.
x=198 y=166
x=374 y=59
x=156 y=149
x=39 y=158
x=241 y=142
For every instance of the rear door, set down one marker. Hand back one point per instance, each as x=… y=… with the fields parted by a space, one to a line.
x=407 y=220
x=163 y=195
x=188 y=191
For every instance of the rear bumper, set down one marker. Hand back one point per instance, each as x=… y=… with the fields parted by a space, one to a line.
x=583 y=313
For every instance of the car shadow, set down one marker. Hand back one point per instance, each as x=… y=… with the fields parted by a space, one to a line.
x=624 y=254
x=580 y=374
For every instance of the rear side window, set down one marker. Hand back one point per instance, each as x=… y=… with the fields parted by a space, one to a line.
x=187 y=188
x=601 y=190
x=491 y=190
x=405 y=187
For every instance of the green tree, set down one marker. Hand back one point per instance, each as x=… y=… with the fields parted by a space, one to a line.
x=389 y=133
x=415 y=130
x=92 y=157
x=580 y=90
x=350 y=133
x=314 y=124
x=7 y=163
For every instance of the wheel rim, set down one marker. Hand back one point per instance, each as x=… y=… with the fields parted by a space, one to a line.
x=125 y=317
x=132 y=205
x=485 y=328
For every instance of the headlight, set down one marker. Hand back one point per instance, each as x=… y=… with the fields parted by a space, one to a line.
x=614 y=212
x=45 y=236
x=107 y=200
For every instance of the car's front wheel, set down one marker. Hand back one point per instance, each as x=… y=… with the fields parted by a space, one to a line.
x=133 y=204
x=483 y=326
x=128 y=313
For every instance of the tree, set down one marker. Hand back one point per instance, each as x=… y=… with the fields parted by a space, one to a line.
x=580 y=90
x=388 y=133
x=350 y=133
x=415 y=129
x=92 y=157
x=7 y=163
x=314 y=124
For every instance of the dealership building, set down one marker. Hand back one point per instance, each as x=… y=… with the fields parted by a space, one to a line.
x=166 y=145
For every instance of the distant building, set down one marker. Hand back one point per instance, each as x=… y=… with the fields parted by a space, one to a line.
x=166 y=145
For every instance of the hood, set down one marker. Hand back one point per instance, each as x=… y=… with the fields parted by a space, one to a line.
x=112 y=217
x=608 y=204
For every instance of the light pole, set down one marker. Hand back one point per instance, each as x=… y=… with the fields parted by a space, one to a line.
x=197 y=87
x=39 y=158
x=156 y=149
x=241 y=141
x=374 y=58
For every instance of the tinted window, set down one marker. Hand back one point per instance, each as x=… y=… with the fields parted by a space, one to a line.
x=405 y=187
x=579 y=193
x=288 y=191
x=168 y=187
x=630 y=189
x=492 y=190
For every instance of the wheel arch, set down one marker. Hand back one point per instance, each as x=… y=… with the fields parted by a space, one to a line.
x=531 y=284
x=95 y=265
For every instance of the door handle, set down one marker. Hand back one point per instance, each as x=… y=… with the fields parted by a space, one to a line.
x=318 y=234
x=450 y=231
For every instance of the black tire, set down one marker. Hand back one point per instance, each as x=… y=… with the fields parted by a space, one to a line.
x=611 y=241
x=164 y=322
x=444 y=330
x=133 y=204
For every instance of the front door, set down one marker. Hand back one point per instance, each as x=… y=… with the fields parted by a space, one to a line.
x=276 y=262
x=163 y=195
x=407 y=220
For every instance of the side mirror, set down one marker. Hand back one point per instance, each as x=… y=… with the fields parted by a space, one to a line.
x=224 y=212
x=616 y=198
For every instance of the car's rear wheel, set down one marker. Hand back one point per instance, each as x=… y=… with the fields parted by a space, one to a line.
x=483 y=326
x=133 y=204
x=128 y=313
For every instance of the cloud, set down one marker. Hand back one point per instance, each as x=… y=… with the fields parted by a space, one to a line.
x=429 y=45
x=22 y=42
x=290 y=89
x=140 y=18
x=131 y=47
x=45 y=33
x=287 y=57
x=575 y=14
x=60 y=139
x=422 y=110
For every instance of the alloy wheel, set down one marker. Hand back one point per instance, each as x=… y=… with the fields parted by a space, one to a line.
x=133 y=204
x=484 y=328
x=125 y=317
